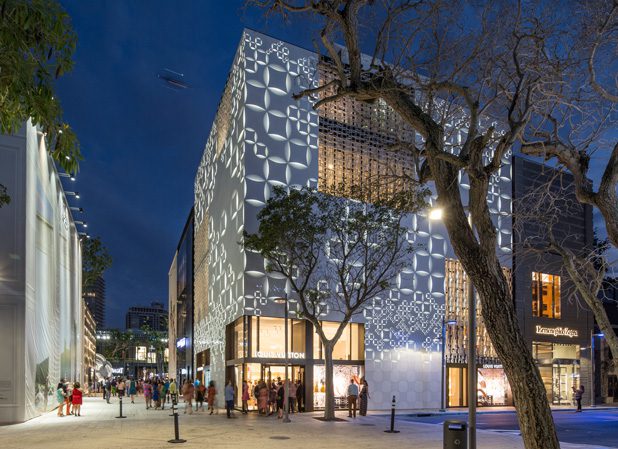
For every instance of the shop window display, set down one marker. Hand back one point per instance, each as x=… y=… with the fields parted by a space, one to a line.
x=341 y=379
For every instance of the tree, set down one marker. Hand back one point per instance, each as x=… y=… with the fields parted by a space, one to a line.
x=37 y=42
x=118 y=345
x=336 y=254
x=95 y=260
x=469 y=78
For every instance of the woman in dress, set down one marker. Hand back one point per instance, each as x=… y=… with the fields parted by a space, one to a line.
x=77 y=399
x=60 y=398
x=199 y=397
x=147 y=394
x=212 y=393
x=188 y=391
x=156 y=395
x=245 y=397
x=364 y=397
x=263 y=399
x=132 y=390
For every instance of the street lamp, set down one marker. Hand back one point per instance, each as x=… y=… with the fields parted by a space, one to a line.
x=444 y=394
x=286 y=412
x=436 y=214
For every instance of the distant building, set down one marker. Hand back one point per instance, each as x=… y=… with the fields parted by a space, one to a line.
x=95 y=300
x=89 y=344
x=606 y=379
x=153 y=316
x=181 y=310
x=40 y=287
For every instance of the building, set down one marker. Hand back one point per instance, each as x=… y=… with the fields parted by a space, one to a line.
x=155 y=317
x=40 y=280
x=261 y=137
x=89 y=346
x=95 y=300
x=606 y=377
x=181 y=310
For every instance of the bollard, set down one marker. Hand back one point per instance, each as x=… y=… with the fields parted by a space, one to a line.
x=177 y=438
x=392 y=429
x=120 y=409
x=174 y=402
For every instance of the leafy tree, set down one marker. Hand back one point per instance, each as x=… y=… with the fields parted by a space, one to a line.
x=37 y=41
x=117 y=347
x=95 y=260
x=336 y=255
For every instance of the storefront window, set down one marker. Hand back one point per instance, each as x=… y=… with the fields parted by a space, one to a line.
x=559 y=368
x=545 y=295
x=140 y=353
x=350 y=346
x=239 y=346
x=341 y=379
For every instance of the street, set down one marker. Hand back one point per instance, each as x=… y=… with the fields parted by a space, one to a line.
x=98 y=428
x=597 y=427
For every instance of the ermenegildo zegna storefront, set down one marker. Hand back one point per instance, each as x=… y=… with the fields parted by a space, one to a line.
x=255 y=350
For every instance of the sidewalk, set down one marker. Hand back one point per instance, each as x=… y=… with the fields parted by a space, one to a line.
x=98 y=429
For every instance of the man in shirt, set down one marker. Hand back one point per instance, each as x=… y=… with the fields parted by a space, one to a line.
x=229 y=398
x=352 y=398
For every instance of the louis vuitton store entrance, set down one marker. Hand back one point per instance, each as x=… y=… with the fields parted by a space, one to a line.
x=255 y=351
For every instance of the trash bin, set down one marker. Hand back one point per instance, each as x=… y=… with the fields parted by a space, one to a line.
x=455 y=435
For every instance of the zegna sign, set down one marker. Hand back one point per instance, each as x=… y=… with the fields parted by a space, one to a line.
x=279 y=355
x=557 y=331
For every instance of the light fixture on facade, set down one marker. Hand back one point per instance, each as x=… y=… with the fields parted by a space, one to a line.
x=83 y=223
x=435 y=213
x=77 y=209
x=75 y=194
x=66 y=175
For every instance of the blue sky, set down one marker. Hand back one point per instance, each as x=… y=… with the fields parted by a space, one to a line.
x=142 y=141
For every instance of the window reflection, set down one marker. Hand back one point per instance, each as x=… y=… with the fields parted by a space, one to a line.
x=545 y=295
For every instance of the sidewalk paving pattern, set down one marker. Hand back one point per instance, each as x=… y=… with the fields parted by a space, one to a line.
x=97 y=428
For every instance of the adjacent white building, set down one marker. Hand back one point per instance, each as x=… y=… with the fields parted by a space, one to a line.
x=41 y=320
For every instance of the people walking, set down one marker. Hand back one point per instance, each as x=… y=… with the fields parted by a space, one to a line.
x=364 y=397
x=229 y=398
x=188 y=391
x=352 y=398
x=212 y=394
x=156 y=395
x=578 y=393
x=60 y=395
x=245 y=397
x=108 y=389
x=263 y=399
x=121 y=387
x=272 y=399
x=132 y=390
x=164 y=392
x=280 y=396
x=300 y=396
x=76 y=399
x=68 y=398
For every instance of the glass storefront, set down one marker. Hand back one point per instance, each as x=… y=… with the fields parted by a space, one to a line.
x=559 y=367
x=256 y=351
x=492 y=389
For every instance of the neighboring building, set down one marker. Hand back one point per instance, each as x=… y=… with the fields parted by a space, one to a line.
x=261 y=137
x=134 y=353
x=89 y=344
x=40 y=280
x=155 y=317
x=181 y=309
x=607 y=374
x=95 y=300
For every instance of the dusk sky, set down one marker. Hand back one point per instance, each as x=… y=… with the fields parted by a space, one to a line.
x=141 y=140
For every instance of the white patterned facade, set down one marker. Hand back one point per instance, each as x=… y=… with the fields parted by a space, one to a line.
x=263 y=138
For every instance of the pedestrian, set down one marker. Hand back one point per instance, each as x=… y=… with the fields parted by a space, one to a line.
x=263 y=399
x=132 y=390
x=108 y=389
x=199 y=396
x=364 y=397
x=114 y=385
x=121 y=387
x=291 y=396
x=156 y=395
x=280 y=396
x=578 y=393
x=352 y=398
x=229 y=398
x=188 y=391
x=300 y=396
x=76 y=399
x=60 y=394
x=212 y=394
x=68 y=398
x=164 y=388
x=174 y=391
x=272 y=399
x=245 y=397
x=148 y=394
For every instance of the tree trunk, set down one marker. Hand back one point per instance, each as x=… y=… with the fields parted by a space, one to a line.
x=329 y=403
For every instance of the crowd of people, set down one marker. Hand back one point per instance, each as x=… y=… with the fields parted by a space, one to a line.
x=268 y=397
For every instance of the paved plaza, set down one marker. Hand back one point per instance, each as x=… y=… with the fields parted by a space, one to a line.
x=98 y=428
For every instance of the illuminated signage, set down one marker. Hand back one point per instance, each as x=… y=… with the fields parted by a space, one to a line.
x=279 y=355
x=117 y=370
x=556 y=331
x=181 y=343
